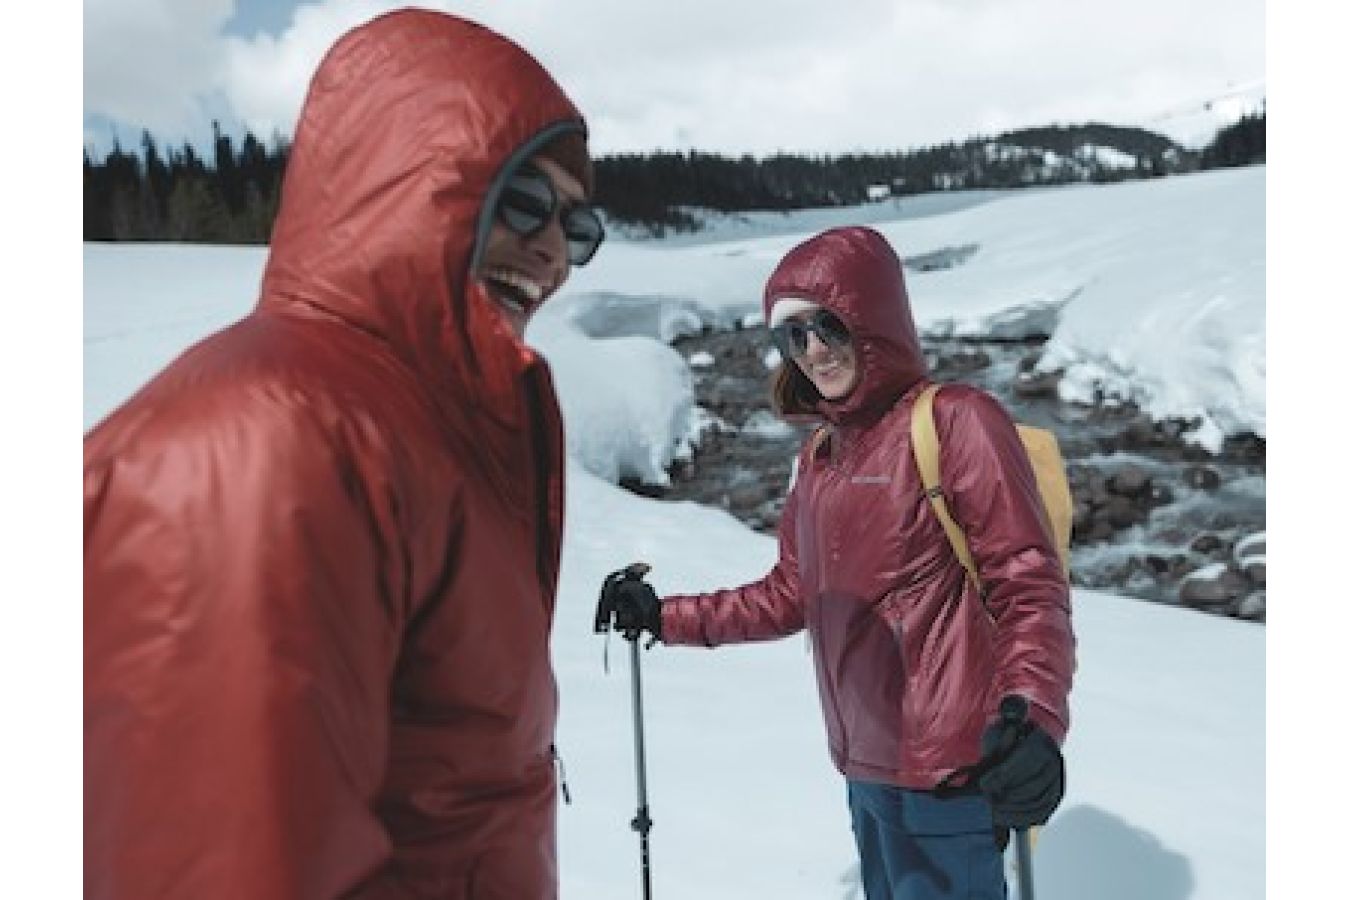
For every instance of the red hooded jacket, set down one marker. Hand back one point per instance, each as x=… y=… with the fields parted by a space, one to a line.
x=910 y=660
x=321 y=547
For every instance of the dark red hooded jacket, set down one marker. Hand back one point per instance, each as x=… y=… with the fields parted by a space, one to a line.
x=321 y=547
x=910 y=660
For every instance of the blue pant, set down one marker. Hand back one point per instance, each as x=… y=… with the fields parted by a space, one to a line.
x=914 y=846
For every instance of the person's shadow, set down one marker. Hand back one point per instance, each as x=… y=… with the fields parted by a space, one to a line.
x=1087 y=852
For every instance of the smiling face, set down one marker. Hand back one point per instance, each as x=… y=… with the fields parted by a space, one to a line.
x=833 y=370
x=521 y=272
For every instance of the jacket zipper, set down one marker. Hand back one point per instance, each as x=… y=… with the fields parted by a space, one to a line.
x=820 y=616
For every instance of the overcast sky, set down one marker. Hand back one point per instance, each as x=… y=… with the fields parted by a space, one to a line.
x=735 y=76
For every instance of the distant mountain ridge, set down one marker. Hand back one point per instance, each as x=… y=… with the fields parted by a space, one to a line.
x=654 y=189
x=1065 y=139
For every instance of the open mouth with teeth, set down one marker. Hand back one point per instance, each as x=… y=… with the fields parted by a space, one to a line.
x=517 y=292
x=827 y=369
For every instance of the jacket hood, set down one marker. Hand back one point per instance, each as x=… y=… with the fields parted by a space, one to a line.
x=411 y=123
x=855 y=273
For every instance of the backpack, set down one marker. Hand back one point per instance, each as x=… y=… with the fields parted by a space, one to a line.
x=1052 y=481
x=1043 y=452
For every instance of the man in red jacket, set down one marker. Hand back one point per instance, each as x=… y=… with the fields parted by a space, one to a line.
x=921 y=672
x=322 y=546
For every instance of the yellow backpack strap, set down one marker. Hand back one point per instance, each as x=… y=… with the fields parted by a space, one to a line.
x=927 y=452
x=818 y=437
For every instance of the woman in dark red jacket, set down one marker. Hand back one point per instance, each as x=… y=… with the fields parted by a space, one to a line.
x=912 y=661
x=321 y=548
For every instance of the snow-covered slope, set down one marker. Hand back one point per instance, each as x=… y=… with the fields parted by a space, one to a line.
x=1154 y=290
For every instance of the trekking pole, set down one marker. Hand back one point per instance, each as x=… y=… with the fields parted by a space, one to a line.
x=1012 y=711
x=1025 y=889
x=604 y=623
x=642 y=822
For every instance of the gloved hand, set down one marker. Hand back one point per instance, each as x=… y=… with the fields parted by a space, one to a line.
x=1024 y=778
x=628 y=604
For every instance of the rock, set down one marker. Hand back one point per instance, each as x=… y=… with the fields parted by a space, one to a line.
x=1172 y=429
x=1140 y=433
x=1252 y=607
x=1082 y=527
x=1078 y=476
x=1160 y=495
x=1160 y=440
x=1203 y=478
x=1251 y=545
x=1082 y=512
x=1121 y=513
x=942 y=258
x=1156 y=564
x=1077 y=414
x=748 y=496
x=1254 y=567
x=1094 y=529
x=1211 y=587
x=1075 y=445
x=642 y=488
x=1195 y=453
x=1170 y=567
x=1106 y=444
x=1185 y=565
x=720 y=395
x=968 y=360
x=1245 y=447
x=1092 y=488
x=1207 y=544
x=1130 y=481
x=1175 y=536
x=1037 y=384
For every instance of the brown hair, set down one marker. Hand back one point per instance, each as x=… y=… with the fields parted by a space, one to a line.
x=569 y=151
x=791 y=393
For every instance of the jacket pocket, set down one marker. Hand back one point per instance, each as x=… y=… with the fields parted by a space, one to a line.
x=872 y=676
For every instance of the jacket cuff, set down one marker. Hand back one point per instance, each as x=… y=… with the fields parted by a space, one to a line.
x=1046 y=720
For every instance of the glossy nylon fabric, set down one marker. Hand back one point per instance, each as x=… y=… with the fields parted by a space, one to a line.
x=910 y=660
x=321 y=547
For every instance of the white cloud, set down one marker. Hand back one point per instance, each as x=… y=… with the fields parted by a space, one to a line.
x=151 y=63
x=741 y=76
x=266 y=77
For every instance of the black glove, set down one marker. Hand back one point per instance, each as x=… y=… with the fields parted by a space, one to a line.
x=1023 y=770
x=628 y=604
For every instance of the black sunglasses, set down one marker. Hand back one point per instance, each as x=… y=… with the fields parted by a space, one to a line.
x=528 y=203
x=790 y=336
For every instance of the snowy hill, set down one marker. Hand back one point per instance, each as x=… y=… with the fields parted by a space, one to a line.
x=1152 y=291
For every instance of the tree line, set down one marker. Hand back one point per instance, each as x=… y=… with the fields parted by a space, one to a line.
x=181 y=197
x=1240 y=144
x=177 y=195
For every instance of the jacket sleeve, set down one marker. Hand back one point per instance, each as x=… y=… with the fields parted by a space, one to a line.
x=242 y=617
x=992 y=489
x=762 y=610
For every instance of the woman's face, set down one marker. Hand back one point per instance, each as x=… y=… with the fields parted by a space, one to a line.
x=831 y=365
